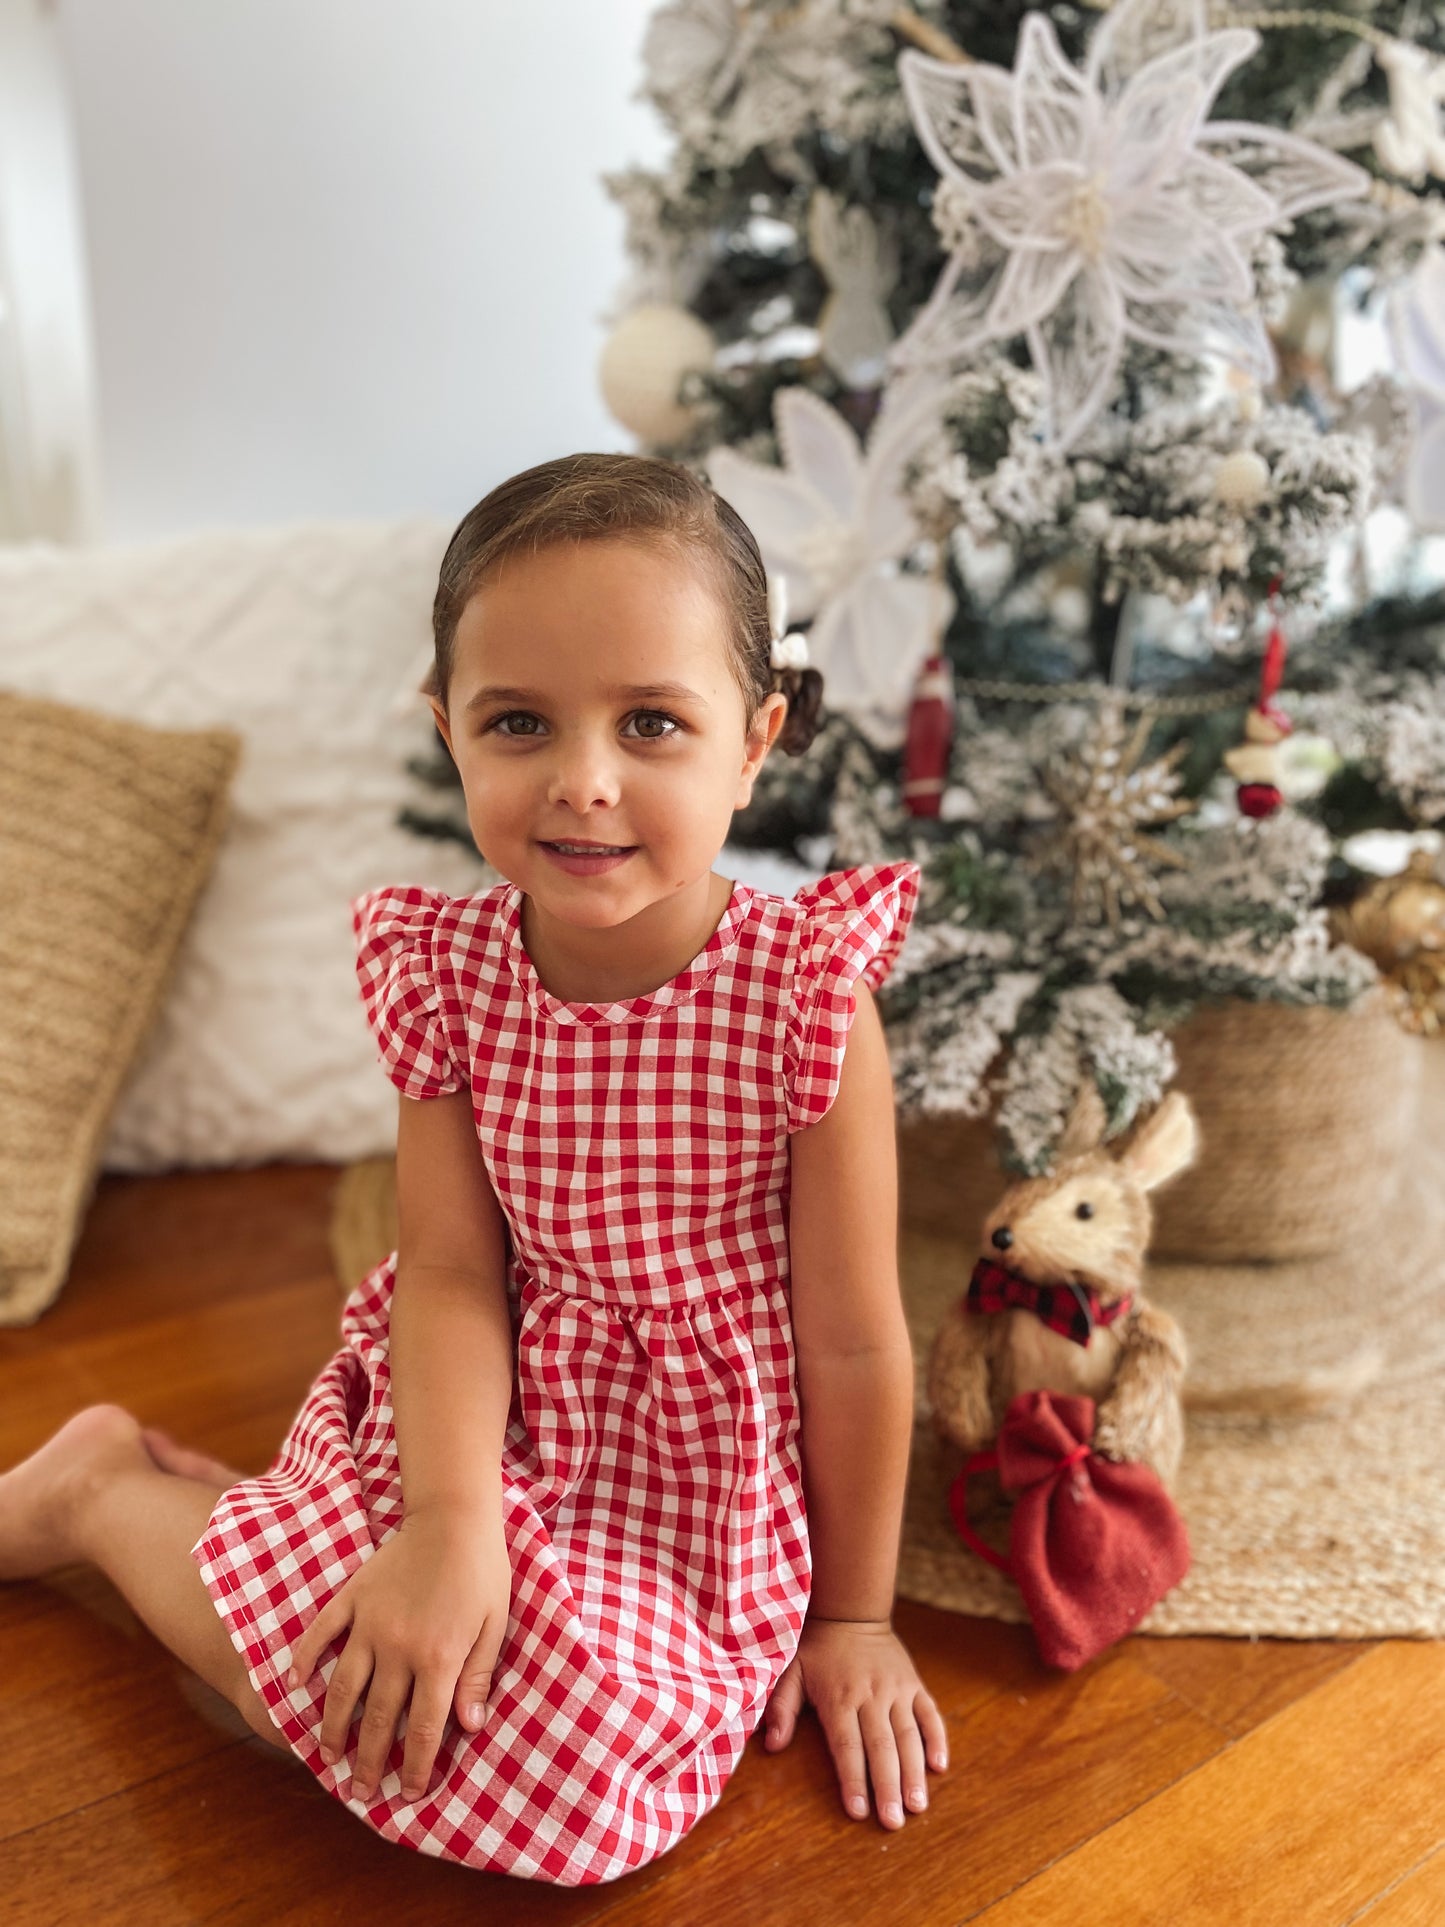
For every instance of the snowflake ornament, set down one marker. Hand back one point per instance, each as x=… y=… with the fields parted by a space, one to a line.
x=1105 y=206
x=1418 y=315
x=1104 y=801
x=834 y=523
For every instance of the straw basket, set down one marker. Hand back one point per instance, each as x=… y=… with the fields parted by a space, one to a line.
x=1306 y=1115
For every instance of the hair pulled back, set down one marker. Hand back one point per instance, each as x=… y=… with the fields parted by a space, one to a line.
x=587 y=497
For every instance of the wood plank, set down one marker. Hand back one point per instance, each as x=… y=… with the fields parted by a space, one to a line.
x=1301 y=1823
x=1240 y=1683
x=1418 y=1900
x=189 y=1371
x=153 y=1245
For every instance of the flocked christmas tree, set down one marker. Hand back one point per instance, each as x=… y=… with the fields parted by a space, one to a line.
x=1009 y=334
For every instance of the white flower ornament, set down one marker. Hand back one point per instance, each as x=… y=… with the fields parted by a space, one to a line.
x=1104 y=204
x=1418 y=317
x=832 y=525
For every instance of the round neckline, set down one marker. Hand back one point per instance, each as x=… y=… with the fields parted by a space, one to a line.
x=677 y=990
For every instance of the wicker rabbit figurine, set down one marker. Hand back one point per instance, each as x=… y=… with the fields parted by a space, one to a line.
x=1055 y=1303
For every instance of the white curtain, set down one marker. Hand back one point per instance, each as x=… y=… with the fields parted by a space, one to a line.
x=48 y=434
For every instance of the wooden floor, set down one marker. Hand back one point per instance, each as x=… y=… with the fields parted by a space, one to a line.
x=1269 y=1784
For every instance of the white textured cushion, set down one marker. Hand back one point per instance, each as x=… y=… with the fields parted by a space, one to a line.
x=303 y=639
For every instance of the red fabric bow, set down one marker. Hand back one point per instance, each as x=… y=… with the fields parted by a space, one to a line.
x=1092 y=1544
x=1072 y=1310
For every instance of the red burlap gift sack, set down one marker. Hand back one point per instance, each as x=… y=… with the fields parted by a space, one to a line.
x=1092 y=1544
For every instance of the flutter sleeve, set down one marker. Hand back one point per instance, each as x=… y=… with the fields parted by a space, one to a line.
x=854 y=926
x=396 y=966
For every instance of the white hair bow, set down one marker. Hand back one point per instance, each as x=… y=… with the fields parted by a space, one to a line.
x=789 y=651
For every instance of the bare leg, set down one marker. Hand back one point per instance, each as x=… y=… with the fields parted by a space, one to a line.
x=94 y=1492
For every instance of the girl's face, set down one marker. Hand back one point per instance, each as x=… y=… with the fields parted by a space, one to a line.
x=560 y=733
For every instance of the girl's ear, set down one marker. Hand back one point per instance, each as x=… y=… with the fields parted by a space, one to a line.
x=767 y=728
x=439 y=711
x=765 y=731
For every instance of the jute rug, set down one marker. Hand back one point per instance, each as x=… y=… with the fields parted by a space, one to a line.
x=1322 y=1524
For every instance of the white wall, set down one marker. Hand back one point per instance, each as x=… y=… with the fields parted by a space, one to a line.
x=348 y=257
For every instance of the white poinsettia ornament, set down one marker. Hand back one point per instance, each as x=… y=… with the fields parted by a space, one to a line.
x=834 y=524
x=1418 y=315
x=1103 y=204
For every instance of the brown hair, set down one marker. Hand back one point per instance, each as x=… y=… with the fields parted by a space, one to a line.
x=577 y=498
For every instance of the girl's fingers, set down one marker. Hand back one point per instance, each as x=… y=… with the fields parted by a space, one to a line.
x=331 y=1619
x=431 y=1705
x=784 y=1706
x=347 y=1684
x=845 y=1743
x=935 y=1733
x=882 y=1761
x=909 y=1742
x=386 y=1700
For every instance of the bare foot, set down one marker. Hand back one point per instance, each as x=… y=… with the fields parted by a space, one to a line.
x=171 y=1457
x=40 y=1496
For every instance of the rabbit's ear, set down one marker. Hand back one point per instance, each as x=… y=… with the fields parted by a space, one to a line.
x=1087 y=1123
x=1163 y=1145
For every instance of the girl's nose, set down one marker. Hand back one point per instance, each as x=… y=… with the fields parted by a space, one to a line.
x=583 y=778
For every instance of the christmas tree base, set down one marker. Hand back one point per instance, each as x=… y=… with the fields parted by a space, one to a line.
x=1307 y=1116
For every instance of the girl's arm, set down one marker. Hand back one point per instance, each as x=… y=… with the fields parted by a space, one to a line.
x=426 y=1612
x=451 y=1337
x=855 y=1364
x=855 y=1384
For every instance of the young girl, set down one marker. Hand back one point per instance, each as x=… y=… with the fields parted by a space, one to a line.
x=609 y=1468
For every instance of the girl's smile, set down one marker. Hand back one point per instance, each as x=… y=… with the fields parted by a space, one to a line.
x=587 y=866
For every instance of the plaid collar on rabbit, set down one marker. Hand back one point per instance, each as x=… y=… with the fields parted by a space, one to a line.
x=1071 y=1309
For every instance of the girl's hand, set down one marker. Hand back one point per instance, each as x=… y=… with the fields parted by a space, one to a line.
x=858 y=1676
x=428 y=1613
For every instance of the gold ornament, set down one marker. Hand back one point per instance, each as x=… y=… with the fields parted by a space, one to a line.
x=1104 y=799
x=1399 y=923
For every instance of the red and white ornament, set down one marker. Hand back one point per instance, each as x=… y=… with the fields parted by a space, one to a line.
x=1255 y=764
x=928 y=742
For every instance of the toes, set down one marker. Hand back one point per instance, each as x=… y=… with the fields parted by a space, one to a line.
x=180 y=1459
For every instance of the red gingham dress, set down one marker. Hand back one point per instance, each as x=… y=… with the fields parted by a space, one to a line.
x=652 y=1469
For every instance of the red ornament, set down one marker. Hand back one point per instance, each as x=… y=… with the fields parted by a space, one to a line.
x=1258 y=799
x=928 y=744
x=1270 y=678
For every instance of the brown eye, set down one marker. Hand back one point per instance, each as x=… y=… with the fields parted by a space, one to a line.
x=659 y=716
x=1084 y=1211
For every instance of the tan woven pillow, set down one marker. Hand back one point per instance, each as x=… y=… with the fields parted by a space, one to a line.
x=108 y=831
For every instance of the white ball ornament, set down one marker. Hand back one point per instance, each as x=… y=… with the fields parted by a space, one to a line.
x=644 y=358
x=1242 y=479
